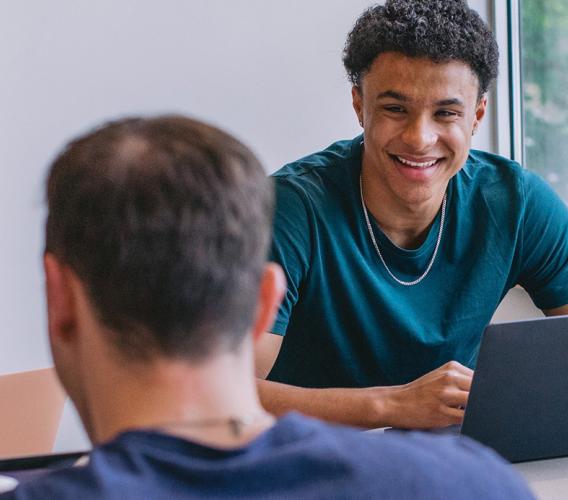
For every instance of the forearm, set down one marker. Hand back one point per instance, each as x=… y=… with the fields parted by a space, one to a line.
x=436 y=399
x=365 y=407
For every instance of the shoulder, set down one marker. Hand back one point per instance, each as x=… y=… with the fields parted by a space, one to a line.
x=496 y=175
x=454 y=463
x=491 y=166
x=488 y=168
x=319 y=169
x=501 y=184
x=72 y=482
x=315 y=183
x=439 y=465
x=336 y=154
x=94 y=480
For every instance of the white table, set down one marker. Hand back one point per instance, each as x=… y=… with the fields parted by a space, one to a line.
x=548 y=479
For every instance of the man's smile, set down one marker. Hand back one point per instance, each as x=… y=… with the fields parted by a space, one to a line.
x=424 y=162
x=416 y=168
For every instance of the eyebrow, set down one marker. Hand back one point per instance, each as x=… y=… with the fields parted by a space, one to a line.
x=401 y=97
x=393 y=95
x=450 y=102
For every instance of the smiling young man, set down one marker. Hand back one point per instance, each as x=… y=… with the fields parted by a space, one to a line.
x=399 y=245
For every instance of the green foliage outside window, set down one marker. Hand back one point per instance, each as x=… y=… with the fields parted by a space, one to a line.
x=544 y=66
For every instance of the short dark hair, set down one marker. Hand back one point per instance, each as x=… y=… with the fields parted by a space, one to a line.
x=440 y=30
x=166 y=221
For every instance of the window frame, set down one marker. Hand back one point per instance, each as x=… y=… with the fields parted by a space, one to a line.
x=507 y=94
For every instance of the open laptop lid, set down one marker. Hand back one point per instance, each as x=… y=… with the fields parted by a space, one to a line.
x=518 y=403
x=32 y=404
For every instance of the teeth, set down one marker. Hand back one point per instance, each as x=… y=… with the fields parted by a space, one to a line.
x=416 y=164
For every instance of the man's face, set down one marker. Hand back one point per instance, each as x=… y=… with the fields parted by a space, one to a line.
x=418 y=117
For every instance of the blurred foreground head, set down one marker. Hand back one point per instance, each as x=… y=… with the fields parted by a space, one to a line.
x=165 y=221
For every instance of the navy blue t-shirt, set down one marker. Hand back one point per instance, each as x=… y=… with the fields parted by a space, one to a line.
x=298 y=458
x=347 y=323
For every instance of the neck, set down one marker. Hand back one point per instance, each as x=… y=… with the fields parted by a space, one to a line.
x=170 y=395
x=406 y=224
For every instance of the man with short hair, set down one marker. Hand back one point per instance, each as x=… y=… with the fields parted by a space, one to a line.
x=399 y=245
x=157 y=290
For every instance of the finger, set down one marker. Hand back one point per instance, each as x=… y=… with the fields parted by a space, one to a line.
x=463 y=382
x=451 y=379
x=457 y=376
x=455 y=399
x=453 y=415
x=458 y=367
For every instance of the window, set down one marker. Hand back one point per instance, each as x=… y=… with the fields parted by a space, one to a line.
x=543 y=30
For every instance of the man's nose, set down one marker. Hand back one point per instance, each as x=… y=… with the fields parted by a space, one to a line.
x=420 y=133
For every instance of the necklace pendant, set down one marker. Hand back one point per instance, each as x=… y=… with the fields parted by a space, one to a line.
x=235 y=426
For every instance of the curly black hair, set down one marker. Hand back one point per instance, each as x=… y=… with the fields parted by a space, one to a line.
x=441 y=30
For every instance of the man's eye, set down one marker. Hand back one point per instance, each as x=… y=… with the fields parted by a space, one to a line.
x=394 y=109
x=446 y=114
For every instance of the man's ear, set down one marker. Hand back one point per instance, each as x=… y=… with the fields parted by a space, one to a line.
x=357 y=101
x=61 y=307
x=480 y=111
x=271 y=293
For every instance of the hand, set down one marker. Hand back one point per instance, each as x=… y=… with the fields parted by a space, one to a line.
x=436 y=399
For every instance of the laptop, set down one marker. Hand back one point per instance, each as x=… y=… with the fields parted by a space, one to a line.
x=518 y=403
x=32 y=404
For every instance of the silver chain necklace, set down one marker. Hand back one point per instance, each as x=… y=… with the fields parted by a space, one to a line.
x=372 y=235
x=236 y=425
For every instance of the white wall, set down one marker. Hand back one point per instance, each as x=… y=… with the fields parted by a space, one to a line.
x=268 y=71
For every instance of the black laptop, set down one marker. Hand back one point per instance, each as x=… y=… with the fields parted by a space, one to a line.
x=518 y=404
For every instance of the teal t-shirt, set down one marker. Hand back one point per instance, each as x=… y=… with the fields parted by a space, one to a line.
x=347 y=323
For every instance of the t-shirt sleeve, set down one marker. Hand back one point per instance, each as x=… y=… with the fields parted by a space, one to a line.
x=544 y=253
x=291 y=244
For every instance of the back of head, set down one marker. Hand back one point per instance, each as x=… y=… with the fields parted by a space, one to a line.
x=440 y=30
x=166 y=222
